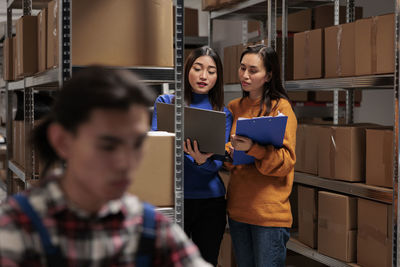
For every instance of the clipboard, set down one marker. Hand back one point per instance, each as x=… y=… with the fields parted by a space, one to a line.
x=262 y=130
x=205 y=126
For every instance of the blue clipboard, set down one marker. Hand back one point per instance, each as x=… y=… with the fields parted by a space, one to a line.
x=262 y=130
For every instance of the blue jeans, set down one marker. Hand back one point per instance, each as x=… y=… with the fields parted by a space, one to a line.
x=259 y=246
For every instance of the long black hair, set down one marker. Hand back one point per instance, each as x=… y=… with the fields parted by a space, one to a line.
x=216 y=94
x=92 y=88
x=272 y=90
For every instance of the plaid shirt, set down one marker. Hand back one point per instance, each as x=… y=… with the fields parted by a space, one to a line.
x=108 y=238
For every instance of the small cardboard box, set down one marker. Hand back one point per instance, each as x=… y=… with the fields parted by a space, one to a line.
x=14 y=50
x=374 y=238
x=337 y=226
x=42 y=40
x=365 y=43
x=53 y=34
x=308 y=57
x=340 y=50
x=385 y=44
x=324 y=15
x=341 y=152
x=8 y=60
x=27 y=51
x=327 y=96
x=298 y=96
x=156 y=185
x=297 y=22
x=308 y=215
x=307 y=148
x=379 y=157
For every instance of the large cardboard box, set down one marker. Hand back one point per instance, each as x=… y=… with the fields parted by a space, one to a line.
x=374 y=239
x=53 y=33
x=191 y=18
x=8 y=59
x=297 y=22
x=14 y=50
x=207 y=5
x=365 y=43
x=42 y=40
x=308 y=57
x=308 y=215
x=156 y=185
x=340 y=50
x=226 y=256
x=324 y=16
x=128 y=33
x=327 y=96
x=379 y=157
x=288 y=55
x=298 y=96
x=337 y=226
x=385 y=44
x=27 y=57
x=231 y=63
x=341 y=152
x=307 y=148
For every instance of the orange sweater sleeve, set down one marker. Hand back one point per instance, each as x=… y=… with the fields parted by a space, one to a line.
x=278 y=162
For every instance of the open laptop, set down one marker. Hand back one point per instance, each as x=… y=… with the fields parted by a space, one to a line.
x=205 y=126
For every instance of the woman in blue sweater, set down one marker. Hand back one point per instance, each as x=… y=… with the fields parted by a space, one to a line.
x=205 y=206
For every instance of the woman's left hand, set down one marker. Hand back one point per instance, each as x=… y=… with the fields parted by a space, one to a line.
x=241 y=143
x=199 y=158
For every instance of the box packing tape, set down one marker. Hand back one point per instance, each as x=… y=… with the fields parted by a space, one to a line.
x=332 y=226
x=332 y=153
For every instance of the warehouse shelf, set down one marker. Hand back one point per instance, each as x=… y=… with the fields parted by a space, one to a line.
x=298 y=247
x=36 y=4
x=257 y=9
x=196 y=40
x=376 y=193
x=155 y=75
x=16 y=85
x=2 y=83
x=3 y=131
x=168 y=212
x=17 y=170
x=362 y=82
x=46 y=78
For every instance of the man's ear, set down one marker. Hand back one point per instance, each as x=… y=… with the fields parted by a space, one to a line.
x=59 y=139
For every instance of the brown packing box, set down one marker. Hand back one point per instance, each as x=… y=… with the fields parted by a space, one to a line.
x=296 y=22
x=150 y=22
x=340 y=50
x=191 y=18
x=253 y=26
x=226 y=256
x=379 y=157
x=27 y=58
x=385 y=44
x=337 y=226
x=324 y=15
x=365 y=43
x=228 y=54
x=8 y=60
x=52 y=33
x=341 y=152
x=42 y=40
x=298 y=96
x=307 y=148
x=308 y=217
x=374 y=239
x=327 y=96
x=14 y=43
x=308 y=55
x=156 y=185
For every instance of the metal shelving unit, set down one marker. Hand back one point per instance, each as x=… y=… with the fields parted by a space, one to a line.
x=17 y=170
x=266 y=11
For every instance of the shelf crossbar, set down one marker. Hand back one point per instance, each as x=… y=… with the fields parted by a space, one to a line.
x=17 y=170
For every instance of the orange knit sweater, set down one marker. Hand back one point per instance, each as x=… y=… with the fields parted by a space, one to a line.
x=259 y=193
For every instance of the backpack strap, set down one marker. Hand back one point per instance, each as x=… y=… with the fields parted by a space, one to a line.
x=53 y=253
x=146 y=247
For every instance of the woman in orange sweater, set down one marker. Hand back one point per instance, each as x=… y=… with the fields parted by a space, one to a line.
x=258 y=193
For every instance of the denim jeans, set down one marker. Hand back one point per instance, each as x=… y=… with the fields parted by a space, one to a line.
x=259 y=246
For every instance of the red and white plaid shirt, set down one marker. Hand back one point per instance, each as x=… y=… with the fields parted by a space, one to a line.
x=109 y=238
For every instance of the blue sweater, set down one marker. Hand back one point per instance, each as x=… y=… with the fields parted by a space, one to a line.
x=201 y=181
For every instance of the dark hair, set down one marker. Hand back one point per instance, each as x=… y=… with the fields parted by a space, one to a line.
x=216 y=94
x=273 y=90
x=91 y=88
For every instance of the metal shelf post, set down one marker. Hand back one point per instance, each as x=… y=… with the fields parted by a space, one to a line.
x=272 y=23
x=336 y=92
x=350 y=17
x=64 y=41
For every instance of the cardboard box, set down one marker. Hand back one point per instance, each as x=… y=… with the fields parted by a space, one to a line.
x=341 y=152
x=156 y=185
x=231 y=63
x=297 y=22
x=207 y=5
x=308 y=215
x=337 y=226
x=227 y=64
x=191 y=18
x=128 y=33
x=340 y=50
x=298 y=96
x=324 y=16
x=327 y=96
x=308 y=60
x=27 y=57
x=374 y=239
x=379 y=157
x=253 y=26
x=385 y=44
x=226 y=256
x=42 y=40
x=8 y=59
x=365 y=43
x=307 y=148
x=53 y=33
x=14 y=50
x=289 y=56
